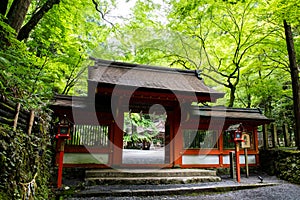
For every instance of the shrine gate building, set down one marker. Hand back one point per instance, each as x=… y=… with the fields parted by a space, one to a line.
x=194 y=136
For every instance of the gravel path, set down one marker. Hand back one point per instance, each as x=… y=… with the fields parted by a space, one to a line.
x=282 y=191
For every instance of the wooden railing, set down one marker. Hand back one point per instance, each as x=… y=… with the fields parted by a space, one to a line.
x=89 y=135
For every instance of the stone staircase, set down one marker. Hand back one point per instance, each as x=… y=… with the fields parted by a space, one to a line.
x=149 y=176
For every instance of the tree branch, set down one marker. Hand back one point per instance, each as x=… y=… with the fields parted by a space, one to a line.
x=215 y=80
x=102 y=14
x=34 y=20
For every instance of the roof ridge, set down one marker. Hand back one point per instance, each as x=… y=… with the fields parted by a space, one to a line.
x=228 y=109
x=143 y=67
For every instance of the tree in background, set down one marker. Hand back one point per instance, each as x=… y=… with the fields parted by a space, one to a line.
x=226 y=36
x=286 y=12
x=53 y=58
x=239 y=45
x=17 y=12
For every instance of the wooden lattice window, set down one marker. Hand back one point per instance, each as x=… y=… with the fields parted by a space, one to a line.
x=89 y=135
x=227 y=143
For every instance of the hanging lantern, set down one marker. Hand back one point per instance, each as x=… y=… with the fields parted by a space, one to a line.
x=236 y=131
x=64 y=128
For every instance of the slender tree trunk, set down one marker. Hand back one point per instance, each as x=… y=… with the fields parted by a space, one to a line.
x=295 y=79
x=249 y=101
x=34 y=20
x=232 y=96
x=17 y=13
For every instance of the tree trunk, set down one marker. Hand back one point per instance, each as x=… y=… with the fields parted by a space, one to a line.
x=17 y=13
x=232 y=96
x=34 y=20
x=295 y=79
x=3 y=7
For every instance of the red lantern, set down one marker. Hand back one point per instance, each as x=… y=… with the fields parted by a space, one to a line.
x=64 y=129
x=236 y=132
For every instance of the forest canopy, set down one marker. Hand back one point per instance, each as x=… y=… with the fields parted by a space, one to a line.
x=239 y=46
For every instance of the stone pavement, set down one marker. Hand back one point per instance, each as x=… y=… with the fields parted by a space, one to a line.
x=225 y=185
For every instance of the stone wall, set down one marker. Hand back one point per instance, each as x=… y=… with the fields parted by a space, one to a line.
x=285 y=164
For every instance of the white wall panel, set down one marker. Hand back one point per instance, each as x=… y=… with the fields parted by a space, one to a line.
x=200 y=159
x=85 y=158
x=251 y=159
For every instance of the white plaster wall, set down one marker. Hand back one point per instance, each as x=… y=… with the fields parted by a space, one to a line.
x=200 y=159
x=85 y=158
x=251 y=159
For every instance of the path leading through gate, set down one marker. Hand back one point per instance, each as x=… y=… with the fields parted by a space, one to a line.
x=136 y=156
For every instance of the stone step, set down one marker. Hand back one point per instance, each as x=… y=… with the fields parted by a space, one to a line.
x=150 y=180
x=149 y=176
x=102 y=173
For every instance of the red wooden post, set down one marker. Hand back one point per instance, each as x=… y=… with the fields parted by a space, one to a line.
x=118 y=134
x=237 y=158
x=177 y=142
x=60 y=145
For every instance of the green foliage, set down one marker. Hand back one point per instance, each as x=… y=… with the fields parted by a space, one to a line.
x=283 y=163
x=22 y=156
x=288 y=166
x=146 y=122
x=19 y=73
x=62 y=40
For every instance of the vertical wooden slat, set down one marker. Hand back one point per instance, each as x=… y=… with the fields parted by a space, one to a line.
x=79 y=135
x=17 y=111
x=82 y=140
x=93 y=136
x=74 y=141
x=86 y=134
x=90 y=135
x=105 y=141
x=98 y=135
x=101 y=134
x=107 y=135
x=77 y=128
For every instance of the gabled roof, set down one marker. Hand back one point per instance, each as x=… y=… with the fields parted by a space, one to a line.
x=150 y=77
x=234 y=114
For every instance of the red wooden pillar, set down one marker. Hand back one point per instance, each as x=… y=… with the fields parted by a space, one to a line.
x=168 y=137
x=220 y=142
x=177 y=138
x=237 y=157
x=60 y=149
x=117 y=135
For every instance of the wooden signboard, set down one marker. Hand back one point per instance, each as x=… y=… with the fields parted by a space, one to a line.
x=246 y=141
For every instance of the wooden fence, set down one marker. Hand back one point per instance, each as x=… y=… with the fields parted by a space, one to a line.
x=273 y=136
x=14 y=115
x=89 y=135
